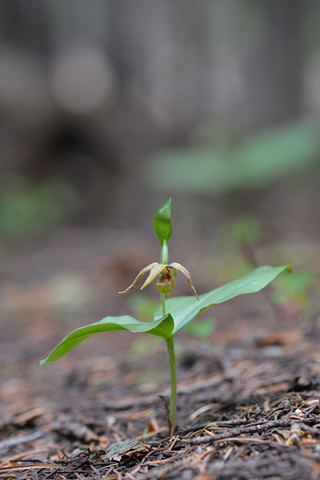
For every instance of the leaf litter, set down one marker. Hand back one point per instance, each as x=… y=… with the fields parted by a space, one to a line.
x=249 y=408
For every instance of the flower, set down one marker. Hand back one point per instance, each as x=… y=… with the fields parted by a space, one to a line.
x=166 y=277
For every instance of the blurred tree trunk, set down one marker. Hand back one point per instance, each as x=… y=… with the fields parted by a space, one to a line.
x=26 y=26
x=182 y=63
x=272 y=66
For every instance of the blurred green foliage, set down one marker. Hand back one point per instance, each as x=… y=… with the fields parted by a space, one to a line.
x=143 y=307
x=246 y=228
x=201 y=328
x=295 y=287
x=243 y=236
x=255 y=163
x=142 y=348
x=27 y=209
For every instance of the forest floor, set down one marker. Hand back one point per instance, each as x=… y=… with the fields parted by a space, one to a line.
x=248 y=402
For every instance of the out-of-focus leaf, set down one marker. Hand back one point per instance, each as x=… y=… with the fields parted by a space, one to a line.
x=191 y=169
x=293 y=287
x=246 y=229
x=274 y=154
x=143 y=307
x=201 y=328
x=27 y=209
x=257 y=162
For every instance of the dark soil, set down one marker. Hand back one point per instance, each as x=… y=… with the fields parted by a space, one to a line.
x=248 y=405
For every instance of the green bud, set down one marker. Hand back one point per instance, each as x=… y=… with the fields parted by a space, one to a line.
x=162 y=222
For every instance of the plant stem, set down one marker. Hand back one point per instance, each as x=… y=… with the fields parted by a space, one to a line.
x=173 y=375
x=171 y=410
x=164 y=256
x=163 y=304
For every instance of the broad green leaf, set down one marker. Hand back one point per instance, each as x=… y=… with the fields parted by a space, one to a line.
x=184 y=309
x=162 y=328
x=162 y=222
x=181 y=311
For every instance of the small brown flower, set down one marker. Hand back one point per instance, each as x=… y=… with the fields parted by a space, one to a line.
x=166 y=280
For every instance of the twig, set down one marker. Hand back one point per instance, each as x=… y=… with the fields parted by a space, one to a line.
x=258 y=427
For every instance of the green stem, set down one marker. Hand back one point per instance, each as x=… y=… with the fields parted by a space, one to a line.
x=164 y=257
x=163 y=304
x=173 y=375
x=171 y=412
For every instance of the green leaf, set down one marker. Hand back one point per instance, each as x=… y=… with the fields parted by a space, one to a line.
x=294 y=287
x=192 y=169
x=162 y=222
x=281 y=151
x=162 y=328
x=181 y=311
x=268 y=156
x=184 y=309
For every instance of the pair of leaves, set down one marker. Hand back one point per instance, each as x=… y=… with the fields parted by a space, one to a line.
x=181 y=311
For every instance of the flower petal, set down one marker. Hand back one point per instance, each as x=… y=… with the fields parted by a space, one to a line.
x=186 y=273
x=154 y=273
x=139 y=276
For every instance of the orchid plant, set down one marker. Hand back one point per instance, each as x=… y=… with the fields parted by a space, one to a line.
x=174 y=313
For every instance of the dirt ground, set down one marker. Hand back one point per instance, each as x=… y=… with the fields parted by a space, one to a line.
x=248 y=403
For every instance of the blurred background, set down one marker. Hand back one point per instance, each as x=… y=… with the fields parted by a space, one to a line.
x=108 y=108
